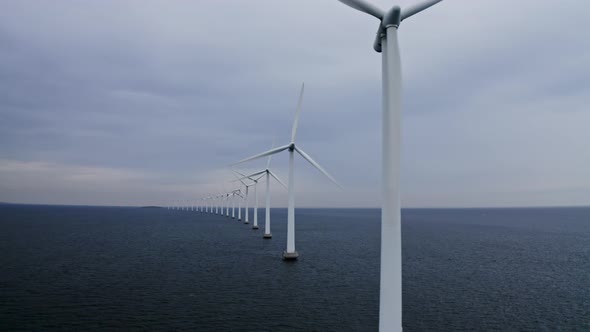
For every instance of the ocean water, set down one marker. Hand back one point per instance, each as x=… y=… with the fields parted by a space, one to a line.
x=89 y=268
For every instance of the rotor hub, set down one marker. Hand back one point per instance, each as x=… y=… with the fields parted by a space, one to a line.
x=392 y=17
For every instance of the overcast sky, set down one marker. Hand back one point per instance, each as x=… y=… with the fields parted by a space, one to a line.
x=142 y=102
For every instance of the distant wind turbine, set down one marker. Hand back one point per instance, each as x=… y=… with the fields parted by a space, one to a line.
x=246 y=191
x=227 y=204
x=232 y=197
x=290 y=253
x=267 y=173
x=255 y=185
x=240 y=198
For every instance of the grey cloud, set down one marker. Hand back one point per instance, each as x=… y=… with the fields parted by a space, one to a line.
x=494 y=98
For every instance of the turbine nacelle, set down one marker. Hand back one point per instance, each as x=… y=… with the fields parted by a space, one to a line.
x=391 y=18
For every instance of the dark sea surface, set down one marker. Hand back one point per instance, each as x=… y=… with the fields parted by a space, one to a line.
x=91 y=268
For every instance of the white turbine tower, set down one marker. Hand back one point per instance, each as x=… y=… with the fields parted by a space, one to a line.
x=290 y=253
x=266 y=173
x=390 y=306
x=216 y=203
x=232 y=197
x=246 y=191
x=227 y=204
x=240 y=198
x=224 y=205
x=255 y=185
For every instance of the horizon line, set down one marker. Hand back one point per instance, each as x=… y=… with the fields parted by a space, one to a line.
x=324 y=207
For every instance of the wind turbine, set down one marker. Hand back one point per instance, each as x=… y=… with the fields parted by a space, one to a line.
x=386 y=42
x=266 y=173
x=247 y=186
x=240 y=198
x=215 y=204
x=255 y=184
x=226 y=195
x=232 y=197
x=290 y=253
x=245 y=195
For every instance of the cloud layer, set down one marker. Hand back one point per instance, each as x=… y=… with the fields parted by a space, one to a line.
x=142 y=102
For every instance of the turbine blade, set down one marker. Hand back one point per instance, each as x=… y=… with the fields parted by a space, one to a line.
x=239 y=173
x=364 y=7
x=270 y=157
x=263 y=154
x=277 y=178
x=316 y=165
x=237 y=177
x=296 y=121
x=407 y=12
x=236 y=172
x=253 y=174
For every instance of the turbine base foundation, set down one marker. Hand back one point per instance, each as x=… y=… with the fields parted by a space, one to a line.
x=290 y=256
x=254 y=227
x=267 y=236
x=246 y=222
